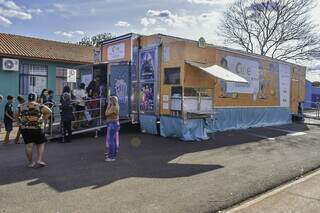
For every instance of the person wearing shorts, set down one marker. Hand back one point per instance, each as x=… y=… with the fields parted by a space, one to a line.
x=31 y=118
x=8 y=118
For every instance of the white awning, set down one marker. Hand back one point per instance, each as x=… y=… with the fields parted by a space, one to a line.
x=219 y=72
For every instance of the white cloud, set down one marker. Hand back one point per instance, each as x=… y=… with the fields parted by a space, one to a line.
x=10 y=13
x=148 y=21
x=9 y=10
x=70 y=34
x=93 y=11
x=210 y=2
x=122 y=24
x=35 y=11
x=182 y=24
x=9 y=4
x=4 y=21
x=175 y=20
x=74 y=10
x=64 y=9
x=59 y=6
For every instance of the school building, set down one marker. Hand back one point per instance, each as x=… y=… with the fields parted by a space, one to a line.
x=32 y=64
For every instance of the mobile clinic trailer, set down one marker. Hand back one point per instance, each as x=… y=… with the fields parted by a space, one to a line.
x=194 y=88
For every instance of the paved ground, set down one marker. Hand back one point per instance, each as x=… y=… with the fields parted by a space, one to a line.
x=155 y=174
x=299 y=196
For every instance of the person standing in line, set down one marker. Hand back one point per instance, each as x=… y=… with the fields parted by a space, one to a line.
x=66 y=117
x=80 y=96
x=51 y=97
x=113 y=127
x=1 y=98
x=8 y=118
x=21 y=101
x=66 y=89
x=43 y=97
x=51 y=104
x=31 y=117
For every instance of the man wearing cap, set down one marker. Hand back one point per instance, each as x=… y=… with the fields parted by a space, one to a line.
x=32 y=115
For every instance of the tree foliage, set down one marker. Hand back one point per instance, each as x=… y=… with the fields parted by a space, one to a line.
x=95 y=40
x=281 y=29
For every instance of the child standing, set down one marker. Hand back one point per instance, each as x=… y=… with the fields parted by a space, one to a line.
x=8 y=118
x=66 y=116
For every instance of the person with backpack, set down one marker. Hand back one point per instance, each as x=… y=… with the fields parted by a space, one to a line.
x=31 y=118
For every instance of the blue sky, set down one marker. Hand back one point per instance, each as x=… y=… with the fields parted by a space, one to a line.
x=69 y=20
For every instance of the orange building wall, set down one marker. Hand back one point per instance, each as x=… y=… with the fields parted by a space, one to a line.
x=181 y=50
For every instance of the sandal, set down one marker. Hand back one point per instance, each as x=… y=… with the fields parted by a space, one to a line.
x=42 y=164
x=31 y=165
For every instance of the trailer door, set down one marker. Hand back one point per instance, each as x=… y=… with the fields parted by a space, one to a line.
x=120 y=87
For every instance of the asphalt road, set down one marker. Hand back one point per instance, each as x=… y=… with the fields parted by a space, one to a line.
x=154 y=174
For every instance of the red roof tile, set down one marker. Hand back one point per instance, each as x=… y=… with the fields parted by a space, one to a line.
x=27 y=47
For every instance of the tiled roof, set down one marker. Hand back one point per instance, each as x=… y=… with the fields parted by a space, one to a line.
x=34 y=48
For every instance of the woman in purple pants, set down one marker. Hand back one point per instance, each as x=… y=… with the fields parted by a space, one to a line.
x=113 y=127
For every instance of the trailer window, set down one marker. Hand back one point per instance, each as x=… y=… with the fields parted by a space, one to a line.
x=172 y=75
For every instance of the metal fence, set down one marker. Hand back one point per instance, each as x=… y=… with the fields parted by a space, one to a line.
x=91 y=119
x=312 y=110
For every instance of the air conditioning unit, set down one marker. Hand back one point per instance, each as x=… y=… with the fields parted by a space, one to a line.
x=9 y=64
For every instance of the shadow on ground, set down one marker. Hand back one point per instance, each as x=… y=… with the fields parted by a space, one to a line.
x=81 y=163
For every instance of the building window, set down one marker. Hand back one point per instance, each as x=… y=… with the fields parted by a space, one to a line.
x=61 y=80
x=172 y=76
x=33 y=78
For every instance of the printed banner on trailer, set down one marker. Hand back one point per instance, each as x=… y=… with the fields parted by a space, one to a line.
x=148 y=64
x=147 y=97
x=285 y=84
x=247 y=69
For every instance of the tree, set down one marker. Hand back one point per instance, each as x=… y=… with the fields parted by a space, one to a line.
x=281 y=29
x=95 y=40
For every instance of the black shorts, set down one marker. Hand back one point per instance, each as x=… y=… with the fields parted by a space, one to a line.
x=8 y=126
x=33 y=136
x=80 y=108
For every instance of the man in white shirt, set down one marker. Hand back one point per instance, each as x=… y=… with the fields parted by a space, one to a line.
x=80 y=96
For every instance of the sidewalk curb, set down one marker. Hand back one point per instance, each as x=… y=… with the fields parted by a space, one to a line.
x=260 y=197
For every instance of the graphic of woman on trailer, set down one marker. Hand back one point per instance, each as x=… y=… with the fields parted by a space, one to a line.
x=147 y=98
x=148 y=65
